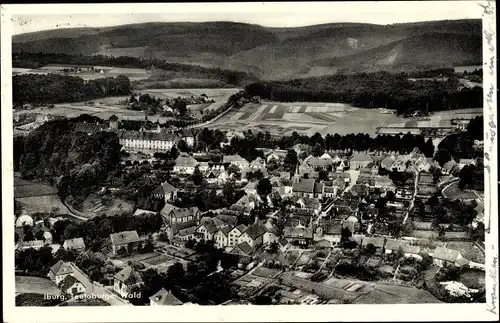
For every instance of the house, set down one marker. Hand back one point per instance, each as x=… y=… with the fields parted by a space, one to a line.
x=231 y=134
x=235 y=233
x=306 y=203
x=150 y=127
x=399 y=164
x=251 y=188
x=188 y=136
x=47 y=237
x=75 y=244
x=272 y=235
x=59 y=271
x=166 y=192
x=164 y=297
x=147 y=141
x=184 y=234
x=70 y=286
x=203 y=167
x=360 y=160
x=385 y=183
x=179 y=215
x=242 y=249
x=223 y=177
x=352 y=223
x=422 y=165
x=258 y=163
x=449 y=167
x=387 y=162
x=442 y=256
x=24 y=220
x=142 y=211
x=371 y=168
x=253 y=235
x=185 y=165
x=410 y=251
x=33 y=244
x=248 y=202
x=304 y=188
x=206 y=231
x=298 y=235
x=113 y=122
x=236 y=160
x=276 y=155
x=221 y=237
x=125 y=280
x=330 y=230
x=126 y=242
x=463 y=162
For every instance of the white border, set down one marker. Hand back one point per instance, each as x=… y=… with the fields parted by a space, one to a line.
x=433 y=312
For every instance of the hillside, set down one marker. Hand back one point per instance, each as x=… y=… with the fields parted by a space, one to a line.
x=275 y=53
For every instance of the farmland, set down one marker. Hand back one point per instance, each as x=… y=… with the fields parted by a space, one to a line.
x=469 y=250
x=453 y=192
x=105 y=107
x=134 y=74
x=305 y=118
x=36 y=197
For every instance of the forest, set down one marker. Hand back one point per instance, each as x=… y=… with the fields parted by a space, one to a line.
x=55 y=88
x=373 y=90
x=75 y=162
x=36 y=60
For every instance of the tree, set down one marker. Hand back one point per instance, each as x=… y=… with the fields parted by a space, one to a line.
x=183 y=146
x=197 y=177
x=466 y=176
x=174 y=153
x=291 y=160
x=318 y=150
x=264 y=187
x=436 y=174
x=442 y=156
x=323 y=175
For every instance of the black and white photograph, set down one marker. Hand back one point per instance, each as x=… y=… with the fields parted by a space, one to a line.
x=250 y=157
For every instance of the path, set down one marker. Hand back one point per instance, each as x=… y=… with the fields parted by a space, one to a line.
x=324 y=262
x=75 y=213
x=354 y=175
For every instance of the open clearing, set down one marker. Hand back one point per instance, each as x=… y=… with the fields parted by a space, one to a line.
x=36 y=197
x=306 y=118
x=37 y=285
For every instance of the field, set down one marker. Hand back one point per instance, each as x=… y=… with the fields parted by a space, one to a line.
x=161 y=261
x=305 y=118
x=396 y=294
x=134 y=74
x=36 y=197
x=472 y=278
x=106 y=107
x=37 y=285
x=469 y=250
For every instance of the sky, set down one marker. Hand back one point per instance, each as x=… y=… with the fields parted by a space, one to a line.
x=31 y=18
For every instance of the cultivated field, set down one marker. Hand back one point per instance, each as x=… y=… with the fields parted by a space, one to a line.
x=105 y=107
x=305 y=118
x=36 y=197
x=134 y=74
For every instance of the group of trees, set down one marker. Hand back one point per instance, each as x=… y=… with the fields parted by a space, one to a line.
x=55 y=88
x=209 y=199
x=95 y=232
x=373 y=90
x=455 y=212
x=36 y=60
x=76 y=162
x=461 y=145
x=472 y=177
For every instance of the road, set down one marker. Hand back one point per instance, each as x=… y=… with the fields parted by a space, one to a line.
x=413 y=198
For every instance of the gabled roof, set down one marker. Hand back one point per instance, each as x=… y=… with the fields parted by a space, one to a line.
x=224 y=230
x=184 y=212
x=298 y=231
x=165 y=188
x=68 y=281
x=163 y=297
x=446 y=254
x=242 y=248
x=124 y=237
x=304 y=186
x=233 y=158
x=255 y=230
x=186 y=161
x=258 y=162
x=210 y=227
x=61 y=268
x=187 y=231
x=310 y=203
x=167 y=209
x=76 y=243
x=129 y=276
x=241 y=228
x=229 y=219
x=361 y=157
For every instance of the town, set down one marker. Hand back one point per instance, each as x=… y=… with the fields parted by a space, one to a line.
x=247 y=218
